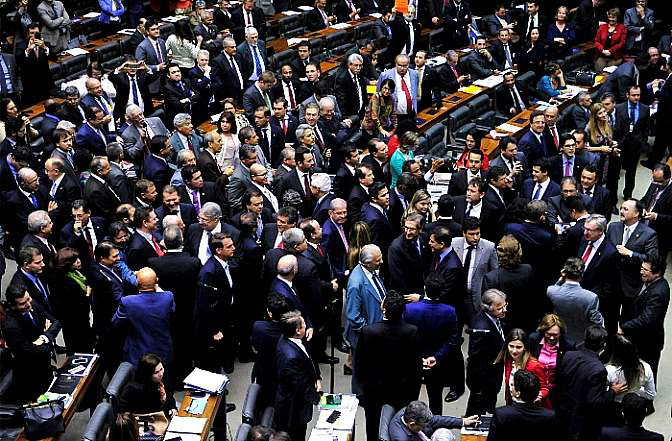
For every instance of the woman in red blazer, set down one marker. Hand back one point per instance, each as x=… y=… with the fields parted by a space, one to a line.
x=516 y=355
x=610 y=41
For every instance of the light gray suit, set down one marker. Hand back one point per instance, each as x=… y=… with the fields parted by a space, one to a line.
x=69 y=168
x=634 y=23
x=238 y=183
x=134 y=147
x=484 y=260
x=576 y=306
x=54 y=18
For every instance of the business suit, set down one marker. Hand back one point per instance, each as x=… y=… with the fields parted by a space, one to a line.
x=448 y=79
x=68 y=237
x=558 y=211
x=490 y=216
x=253 y=98
x=445 y=222
x=48 y=251
x=598 y=278
x=146 y=317
x=273 y=145
x=362 y=305
x=335 y=247
x=265 y=336
x=620 y=80
x=643 y=321
x=659 y=201
x=458 y=182
x=484 y=376
x=18 y=208
x=290 y=123
x=291 y=181
x=450 y=269
x=557 y=170
x=174 y=93
x=281 y=287
x=32 y=363
x=644 y=245
x=457 y=18
x=296 y=393
x=401 y=35
x=7 y=180
x=504 y=98
x=55 y=25
x=535 y=148
x=387 y=362
x=406 y=264
x=629 y=433
x=226 y=81
x=581 y=396
x=399 y=431
x=529 y=420
x=493 y=24
x=635 y=140
x=391 y=74
x=119 y=183
x=194 y=234
x=479 y=66
x=484 y=260
x=500 y=161
x=46 y=299
x=529 y=187
x=600 y=202
x=238 y=23
x=157 y=170
x=577 y=307
x=322 y=207
x=208 y=193
x=381 y=229
x=35 y=72
x=139 y=251
x=498 y=52
x=15 y=77
x=102 y=200
x=315 y=21
x=103 y=102
x=196 y=142
x=123 y=84
x=66 y=193
x=523 y=295
x=93 y=140
x=345 y=89
x=146 y=51
x=247 y=58
x=356 y=199
x=135 y=142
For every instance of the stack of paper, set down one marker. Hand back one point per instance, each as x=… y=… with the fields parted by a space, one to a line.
x=76 y=51
x=471 y=90
x=490 y=82
x=206 y=381
x=91 y=15
x=291 y=13
x=294 y=41
x=340 y=26
x=187 y=425
x=509 y=128
x=306 y=8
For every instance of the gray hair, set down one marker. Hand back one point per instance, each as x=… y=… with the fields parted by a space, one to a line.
x=212 y=210
x=209 y=137
x=568 y=180
x=337 y=203
x=228 y=41
x=581 y=96
x=489 y=297
x=38 y=220
x=287 y=265
x=302 y=128
x=355 y=57
x=292 y=237
x=321 y=181
x=573 y=268
x=64 y=124
x=250 y=30
x=599 y=220
x=182 y=156
x=287 y=153
x=368 y=252
x=415 y=218
x=170 y=220
x=418 y=412
x=451 y=53
x=203 y=52
x=401 y=57
x=131 y=108
x=24 y=174
x=443 y=434
x=326 y=100
x=181 y=119
x=172 y=237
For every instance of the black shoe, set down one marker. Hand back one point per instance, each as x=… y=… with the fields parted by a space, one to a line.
x=342 y=348
x=230 y=407
x=325 y=359
x=347 y=370
x=59 y=349
x=646 y=163
x=452 y=396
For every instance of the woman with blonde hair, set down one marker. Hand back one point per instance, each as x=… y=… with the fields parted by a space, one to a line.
x=601 y=134
x=421 y=203
x=516 y=356
x=548 y=345
x=360 y=235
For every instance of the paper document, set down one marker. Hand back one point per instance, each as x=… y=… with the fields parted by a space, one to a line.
x=509 y=127
x=205 y=380
x=183 y=436
x=294 y=41
x=490 y=82
x=76 y=51
x=306 y=8
x=91 y=15
x=291 y=13
x=187 y=424
x=340 y=26
x=471 y=90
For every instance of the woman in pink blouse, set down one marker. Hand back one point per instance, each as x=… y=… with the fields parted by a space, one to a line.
x=548 y=345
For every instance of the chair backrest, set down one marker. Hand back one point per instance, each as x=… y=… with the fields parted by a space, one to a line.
x=99 y=424
x=386 y=414
x=364 y=30
x=435 y=135
x=267 y=417
x=282 y=58
x=122 y=376
x=250 y=405
x=6 y=374
x=336 y=39
x=479 y=104
x=108 y=51
x=528 y=77
x=459 y=116
x=242 y=432
x=291 y=22
x=75 y=66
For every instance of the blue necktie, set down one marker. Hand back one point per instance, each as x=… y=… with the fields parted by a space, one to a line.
x=5 y=79
x=633 y=115
x=257 y=62
x=33 y=199
x=379 y=286
x=30 y=317
x=42 y=289
x=134 y=89
x=537 y=192
x=52 y=192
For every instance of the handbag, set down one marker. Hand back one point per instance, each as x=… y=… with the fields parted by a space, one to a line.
x=43 y=420
x=152 y=426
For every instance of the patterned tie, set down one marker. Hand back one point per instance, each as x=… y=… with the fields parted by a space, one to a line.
x=159 y=56
x=537 y=192
x=257 y=61
x=379 y=286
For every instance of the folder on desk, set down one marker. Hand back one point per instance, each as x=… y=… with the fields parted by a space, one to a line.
x=472 y=90
x=186 y=424
x=206 y=381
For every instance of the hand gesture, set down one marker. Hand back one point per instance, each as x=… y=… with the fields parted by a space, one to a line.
x=470 y=421
x=309 y=334
x=218 y=336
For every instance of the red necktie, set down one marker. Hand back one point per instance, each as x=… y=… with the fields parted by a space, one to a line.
x=306 y=186
x=586 y=254
x=284 y=126
x=554 y=131
x=457 y=75
x=157 y=248
x=190 y=144
x=320 y=250
x=291 y=96
x=409 y=100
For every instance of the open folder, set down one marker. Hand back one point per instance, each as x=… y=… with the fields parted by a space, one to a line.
x=206 y=381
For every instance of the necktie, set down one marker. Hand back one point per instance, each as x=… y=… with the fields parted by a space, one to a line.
x=134 y=90
x=457 y=75
x=30 y=317
x=436 y=261
x=157 y=248
x=195 y=197
x=42 y=289
x=292 y=102
x=324 y=17
x=589 y=193
x=5 y=84
x=633 y=119
x=359 y=92
x=537 y=192
x=612 y=120
x=654 y=198
x=421 y=71
x=556 y=140
x=89 y=240
x=626 y=235
x=260 y=227
x=257 y=61
x=102 y=136
x=586 y=254
x=306 y=186
x=409 y=100
x=267 y=98
x=341 y=233
x=516 y=102
x=379 y=286
x=158 y=51
x=320 y=250
x=498 y=324
x=249 y=18
x=207 y=248
x=33 y=200
x=233 y=63
x=54 y=187
x=467 y=264
x=468 y=212
x=103 y=104
x=190 y=144
x=530 y=25
x=318 y=137
x=509 y=61
x=284 y=126
x=568 y=167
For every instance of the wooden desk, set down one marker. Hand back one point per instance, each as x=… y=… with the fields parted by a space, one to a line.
x=281 y=42
x=92 y=45
x=449 y=102
x=210 y=411
x=77 y=397
x=473 y=438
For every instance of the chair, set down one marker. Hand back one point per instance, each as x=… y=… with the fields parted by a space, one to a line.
x=107 y=52
x=436 y=40
x=282 y=58
x=74 y=67
x=364 y=30
x=528 y=78
x=342 y=49
x=481 y=109
x=250 y=404
x=294 y=33
x=112 y=64
x=386 y=414
x=6 y=373
x=318 y=49
x=242 y=432
x=435 y=138
x=290 y=23
x=123 y=374
x=99 y=424
x=457 y=119
x=336 y=39
x=56 y=71
x=90 y=29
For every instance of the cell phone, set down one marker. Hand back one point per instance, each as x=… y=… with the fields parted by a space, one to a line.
x=133 y=65
x=38 y=35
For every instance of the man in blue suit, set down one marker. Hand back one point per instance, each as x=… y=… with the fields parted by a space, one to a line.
x=146 y=317
x=288 y=267
x=416 y=417
x=407 y=92
x=152 y=50
x=374 y=214
x=93 y=135
x=97 y=97
x=156 y=167
x=540 y=186
x=533 y=143
x=252 y=53
x=334 y=238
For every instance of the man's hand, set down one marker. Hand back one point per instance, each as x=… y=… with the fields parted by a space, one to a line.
x=77 y=226
x=428 y=363
x=436 y=164
x=470 y=421
x=347 y=122
x=435 y=20
x=334 y=285
x=47 y=324
x=318 y=385
x=107 y=119
x=619 y=388
x=650 y=215
x=199 y=39
x=309 y=334
x=161 y=66
x=461 y=79
x=606 y=53
x=39 y=341
x=218 y=336
x=623 y=251
x=52 y=206
x=412 y=298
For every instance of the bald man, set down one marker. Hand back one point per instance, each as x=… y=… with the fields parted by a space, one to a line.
x=97 y=97
x=146 y=317
x=288 y=267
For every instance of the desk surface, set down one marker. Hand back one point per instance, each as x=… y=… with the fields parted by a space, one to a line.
x=77 y=397
x=210 y=411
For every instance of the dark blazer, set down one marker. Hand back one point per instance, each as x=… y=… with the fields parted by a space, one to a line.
x=139 y=252
x=635 y=140
x=455 y=280
x=87 y=138
x=208 y=167
x=479 y=66
x=204 y=89
x=600 y=203
x=564 y=344
x=208 y=193
x=490 y=215
x=264 y=337
x=290 y=181
x=296 y=394
x=557 y=170
x=72 y=114
x=343 y=182
x=558 y=211
x=358 y=196
x=214 y=298
x=268 y=236
x=174 y=94
x=380 y=226
x=619 y=80
x=277 y=143
x=401 y=35
x=306 y=282
x=643 y=242
x=193 y=235
x=101 y=198
x=292 y=124
x=437 y=328
x=252 y=99
x=523 y=298
x=247 y=57
x=146 y=317
x=447 y=79
x=68 y=238
x=399 y=431
x=643 y=322
x=144 y=398
x=663 y=208
x=122 y=85
x=158 y=171
x=222 y=19
x=504 y=99
x=454 y=227
x=281 y=287
x=187 y=214
x=485 y=343
x=7 y=180
x=376 y=168
x=527 y=191
x=345 y=90
x=499 y=55
x=18 y=208
x=629 y=433
x=315 y=21
x=238 y=23
x=458 y=183
x=67 y=192
x=598 y=275
x=48 y=304
x=533 y=149
x=407 y=265
x=118 y=182
x=523 y=419
x=493 y=25
x=178 y=273
x=334 y=247
x=106 y=292
x=321 y=210
x=581 y=396
x=300 y=90
x=225 y=80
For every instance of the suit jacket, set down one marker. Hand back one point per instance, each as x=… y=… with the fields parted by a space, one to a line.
x=619 y=81
x=146 y=51
x=527 y=419
x=557 y=170
x=522 y=294
x=252 y=99
x=93 y=141
x=447 y=79
x=484 y=260
x=450 y=223
x=118 y=182
x=306 y=282
x=208 y=166
x=335 y=248
x=222 y=18
x=225 y=79
x=479 y=66
x=247 y=66
x=437 y=328
x=529 y=186
x=457 y=19
x=598 y=274
x=399 y=431
x=101 y=198
x=300 y=90
x=362 y=305
x=10 y=61
x=600 y=202
x=296 y=394
x=643 y=322
x=458 y=183
x=106 y=293
x=485 y=343
x=413 y=77
x=146 y=317
x=636 y=133
x=187 y=214
x=48 y=303
x=663 y=208
x=581 y=396
x=178 y=273
x=196 y=142
x=277 y=143
x=281 y=287
x=358 y=196
x=35 y=71
x=139 y=252
x=68 y=238
x=173 y=96
x=643 y=243
x=450 y=269
x=490 y=216
x=157 y=170
x=576 y=306
x=533 y=149
x=617 y=40
x=558 y=211
x=290 y=181
x=194 y=234
x=381 y=229
x=493 y=25
x=504 y=98
x=134 y=146
x=321 y=210
x=19 y=208
x=208 y=193
x=213 y=312
x=122 y=84
x=292 y=123
x=315 y=21
x=238 y=23
x=54 y=17
x=67 y=192
x=499 y=54
x=345 y=89
x=629 y=433
x=72 y=114
x=407 y=264
x=343 y=182
x=264 y=337
x=499 y=161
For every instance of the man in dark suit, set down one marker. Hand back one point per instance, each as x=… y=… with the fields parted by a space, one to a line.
x=34 y=65
x=196 y=191
x=504 y=53
x=532 y=19
x=407 y=258
x=10 y=88
x=320 y=186
x=344 y=179
x=227 y=75
x=213 y=313
x=63 y=150
x=248 y=16
x=633 y=120
x=271 y=138
x=320 y=17
x=359 y=193
x=207 y=160
x=30 y=275
x=534 y=143
x=388 y=362
x=132 y=87
x=152 y=50
x=9 y=166
x=209 y=223
x=428 y=86
x=581 y=396
x=285 y=121
x=299 y=180
x=30 y=332
x=287 y=269
x=457 y=18
x=71 y=109
x=172 y=206
x=93 y=135
x=445 y=210
x=177 y=272
x=416 y=418
x=581 y=110
x=143 y=244
x=658 y=203
x=221 y=15
x=289 y=88
x=484 y=375
x=299 y=379
x=178 y=95
x=155 y=166
x=663 y=93
x=540 y=186
x=635 y=409
x=480 y=63
x=376 y=159
x=524 y=417
x=97 y=97
x=460 y=180
x=350 y=87
x=501 y=19
x=557 y=208
x=334 y=239
x=374 y=213
x=257 y=94
x=566 y=163
x=146 y=317
x=40 y=235
x=586 y=20
x=635 y=242
x=62 y=189
x=100 y=196
x=302 y=59
x=599 y=195
x=19 y=203
x=252 y=53
x=450 y=78
x=84 y=232
x=643 y=321
x=513 y=97
x=405 y=34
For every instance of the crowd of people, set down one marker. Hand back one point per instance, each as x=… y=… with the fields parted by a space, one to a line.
x=303 y=217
